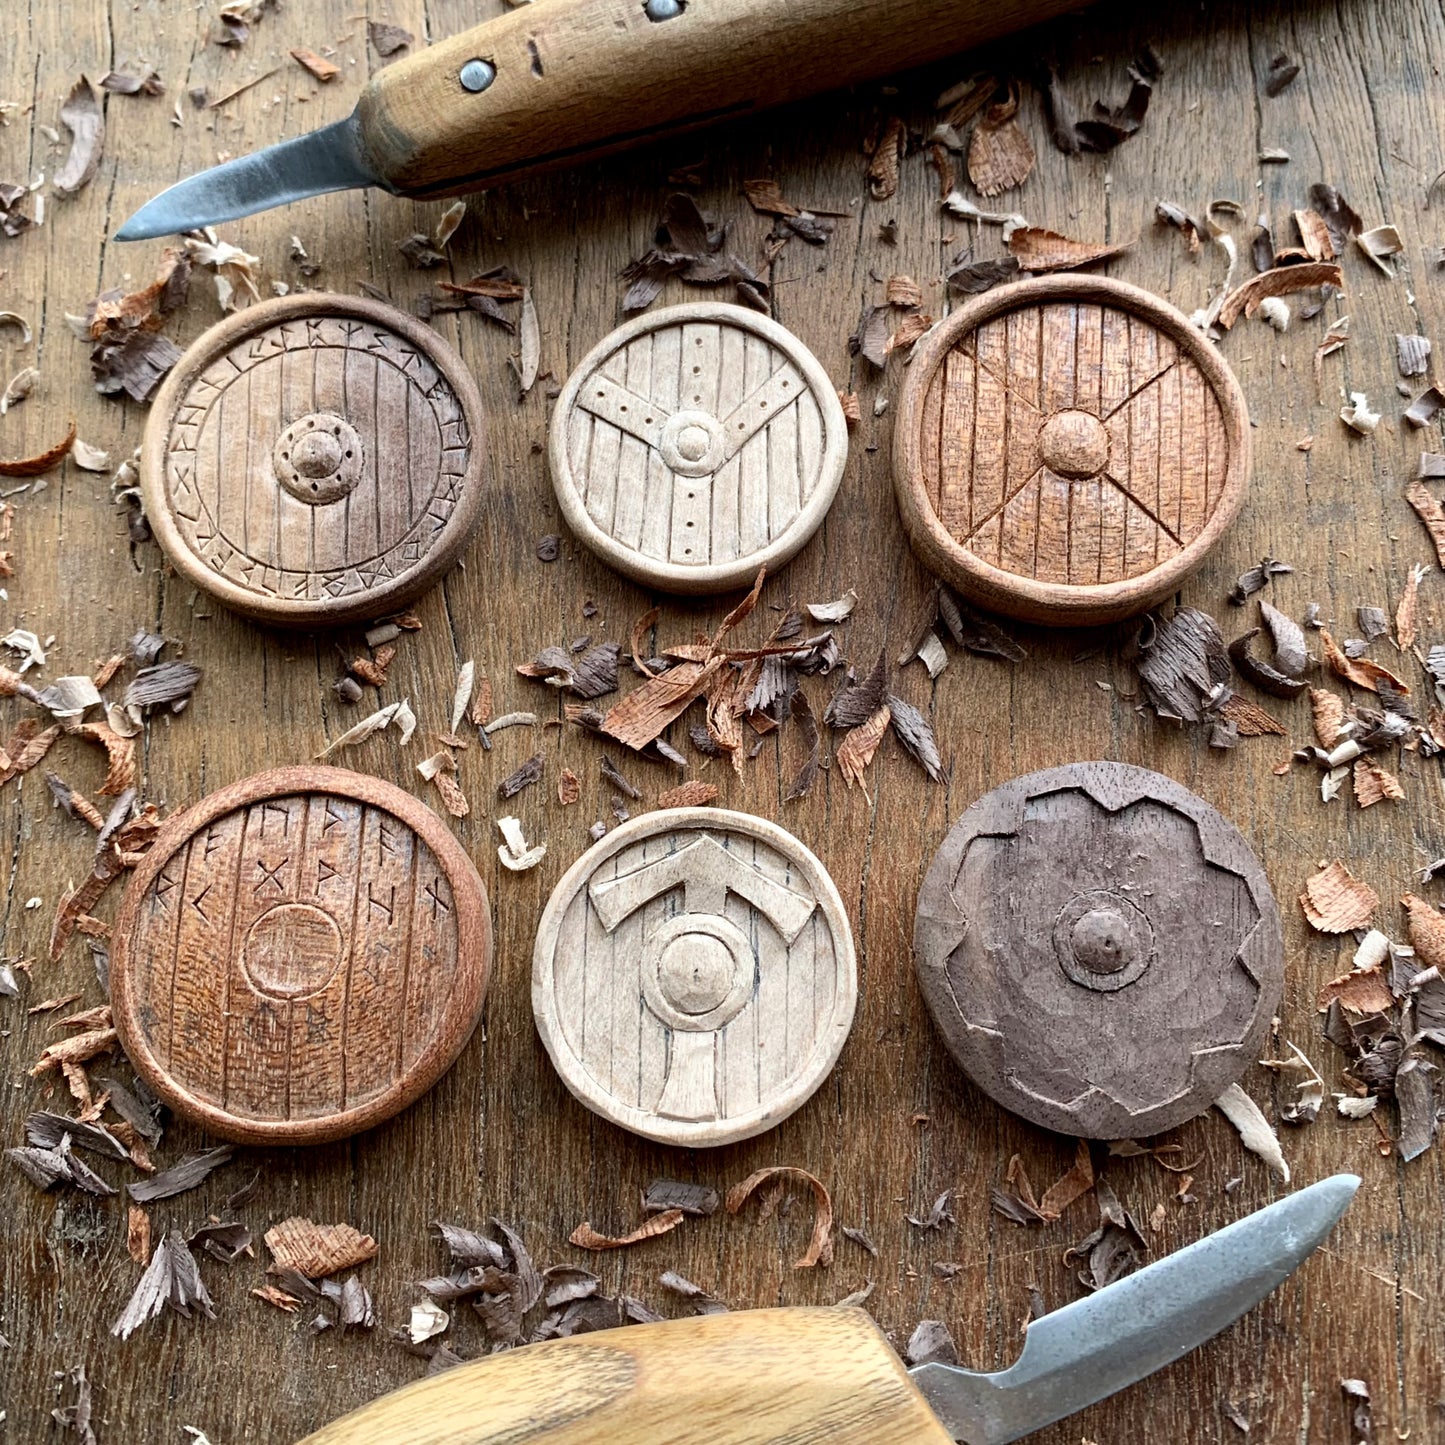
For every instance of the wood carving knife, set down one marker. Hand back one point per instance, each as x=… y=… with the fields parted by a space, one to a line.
x=828 y=1377
x=559 y=82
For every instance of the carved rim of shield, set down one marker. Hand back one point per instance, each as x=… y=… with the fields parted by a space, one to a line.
x=720 y=1000
x=416 y=573
x=701 y=463
x=943 y=924
x=958 y=547
x=450 y=1030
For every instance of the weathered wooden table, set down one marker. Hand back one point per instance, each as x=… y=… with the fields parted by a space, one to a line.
x=896 y=1124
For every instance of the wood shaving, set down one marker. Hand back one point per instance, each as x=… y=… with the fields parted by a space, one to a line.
x=820 y=1245
x=1000 y=156
x=1361 y=991
x=692 y=794
x=75 y=1050
x=1244 y=300
x=569 y=788
x=387 y=39
x=1039 y=251
x=1430 y=513
x=1328 y=713
x=585 y=1237
x=317 y=1250
x=1254 y=1130
x=1412 y=354
x=1407 y=611
x=1426 y=930
x=1358 y=416
x=1073 y=1185
x=1360 y=671
x=398 y=713
x=171 y=1279
x=1379 y=243
x=514 y=851
x=41 y=462
x=1336 y=902
x=84 y=117
x=1425 y=407
x=182 y=1176
x=529 y=340
x=856 y=750
x=21 y=385
x=883 y=167
x=1251 y=720
x=1373 y=783
x=453 y=799
x=138 y=1234
x=324 y=70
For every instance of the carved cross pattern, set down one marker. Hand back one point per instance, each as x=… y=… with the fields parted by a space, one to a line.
x=436 y=898
x=269 y=875
x=611 y=401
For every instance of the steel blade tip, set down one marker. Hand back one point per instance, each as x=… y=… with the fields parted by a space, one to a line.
x=329 y=159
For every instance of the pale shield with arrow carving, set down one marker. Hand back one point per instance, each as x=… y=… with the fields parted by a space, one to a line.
x=694 y=977
x=697 y=444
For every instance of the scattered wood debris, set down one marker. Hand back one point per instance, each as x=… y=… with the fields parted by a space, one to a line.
x=1000 y=156
x=930 y=1344
x=514 y=851
x=84 y=117
x=1280 y=75
x=1106 y=126
x=695 y=1199
x=820 y=1246
x=388 y=39
x=42 y=461
x=187 y=1174
x=324 y=70
x=1112 y=1250
x=692 y=794
x=1040 y=251
x=1245 y=299
x=123 y=83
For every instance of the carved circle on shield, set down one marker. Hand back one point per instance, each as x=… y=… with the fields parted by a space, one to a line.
x=694 y=977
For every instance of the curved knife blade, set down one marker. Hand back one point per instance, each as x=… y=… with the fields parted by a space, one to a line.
x=329 y=159
x=1095 y=1347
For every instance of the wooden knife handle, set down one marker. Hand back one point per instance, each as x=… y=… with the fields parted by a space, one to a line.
x=778 y=1376
x=575 y=79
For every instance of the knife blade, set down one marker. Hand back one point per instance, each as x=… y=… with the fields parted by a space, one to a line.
x=1095 y=1347
x=789 y=1376
x=558 y=82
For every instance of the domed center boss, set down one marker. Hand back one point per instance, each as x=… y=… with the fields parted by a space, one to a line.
x=1068 y=449
x=694 y=976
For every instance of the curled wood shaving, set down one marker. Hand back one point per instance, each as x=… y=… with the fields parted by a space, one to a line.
x=1278 y=281
x=388 y=39
x=1000 y=155
x=1426 y=930
x=41 y=462
x=462 y=696
x=1254 y=1130
x=1429 y=512
x=1039 y=250
x=585 y=1237
x=820 y=1246
x=514 y=851
x=883 y=168
x=1359 y=670
x=399 y=713
x=74 y=1050
x=692 y=794
x=120 y=755
x=1074 y=1185
x=1373 y=783
x=316 y=1250
x=287 y=1303
x=1335 y=901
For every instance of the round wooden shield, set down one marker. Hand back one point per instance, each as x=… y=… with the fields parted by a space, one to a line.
x=300 y=956
x=696 y=444
x=1100 y=950
x=1068 y=449
x=314 y=460
x=694 y=978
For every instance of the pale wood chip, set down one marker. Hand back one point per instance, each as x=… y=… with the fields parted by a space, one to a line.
x=1254 y=1130
x=820 y=1246
x=318 y=65
x=859 y=744
x=316 y=1250
x=138 y=1234
x=903 y=291
x=1334 y=901
x=453 y=798
x=1362 y=991
x=1000 y=154
x=1406 y=614
x=585 y=1237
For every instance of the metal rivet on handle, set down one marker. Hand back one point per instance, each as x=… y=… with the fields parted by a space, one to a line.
x=477 y=75
x=664 y=9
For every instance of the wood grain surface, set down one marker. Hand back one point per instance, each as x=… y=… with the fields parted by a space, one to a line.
x=1068 y=449
x=299 y=956
x=315 y=460
x=896 y=1123
x=695 y=445
x=1100 y=949
x=695 y=978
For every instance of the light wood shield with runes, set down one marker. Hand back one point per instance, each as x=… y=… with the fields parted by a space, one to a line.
x=300 y=956
x=315 y=460
x=1069 y=449
x=695 y=445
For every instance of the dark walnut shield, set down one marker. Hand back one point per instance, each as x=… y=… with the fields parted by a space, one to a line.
x=315 y=460
x=695 y=445
x=300 y=956
x=694 y=977
x=1100 y=950
x=1068 y=449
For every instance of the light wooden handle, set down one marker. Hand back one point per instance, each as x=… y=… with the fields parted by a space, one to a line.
x=578 y=78
x=778 y=1376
